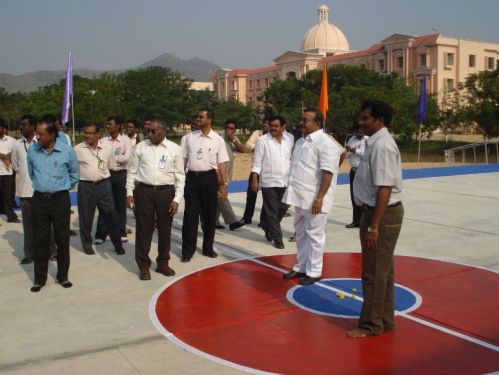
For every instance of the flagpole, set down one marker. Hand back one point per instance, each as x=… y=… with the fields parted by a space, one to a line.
x=421 y=115
x=73 y=119
x=419 y=143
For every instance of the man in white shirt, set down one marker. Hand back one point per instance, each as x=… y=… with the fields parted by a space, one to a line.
x=355 y=148
x=155 y=185
x=270 y=171
x=122 y=149
x=6 y=173
x=311 y=187
x=378 y=190
x=94 y=189
x=204 y=153
x=133 y=134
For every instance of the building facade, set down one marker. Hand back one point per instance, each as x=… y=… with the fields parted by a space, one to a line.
x=443 y=61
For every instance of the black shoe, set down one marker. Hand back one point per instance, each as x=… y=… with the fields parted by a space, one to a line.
x=245 y=221
x=219 y=226
x=36 y=288
x=26 y=260
x=211 y=255
x=165 y=271
x=90 y=252
x=278 y=244
x=72 y=233
x=236 y=225
x=307 y=280
x=185 y=259
x=66 y=284
x=53 y=258
x=293 y=275
x=16 y=220
x=120 y=251
x=352 y=225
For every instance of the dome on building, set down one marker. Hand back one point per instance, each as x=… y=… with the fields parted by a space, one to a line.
x=324 y=37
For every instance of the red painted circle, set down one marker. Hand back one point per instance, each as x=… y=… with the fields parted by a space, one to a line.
x=238 y=312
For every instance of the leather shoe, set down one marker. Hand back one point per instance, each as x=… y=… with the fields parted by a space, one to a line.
x=293 y=275
x=65 y=284
x=211 y=255
x=278 y=244
x=90 y=252
x=167 y=271
x=36 y=288
x=185 y=259
x=26 y=260
x=219 y=226
x=120 y=251
x=308 y=280
x=16 y=220
x=144 y=274
x=53 y=258
x=352 y=225
x=72 y=233
x=236 y=225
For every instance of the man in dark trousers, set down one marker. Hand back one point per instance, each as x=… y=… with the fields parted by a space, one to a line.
x=155 y=185
x=204 y=153
x=377 y=189
x=94 y=189
x=53 y=169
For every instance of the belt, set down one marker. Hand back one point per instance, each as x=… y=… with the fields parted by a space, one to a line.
x=154 y=187
x=200 y=173
x=94 y=182
x=365 y=207
x=117 y=171
x=49 y=195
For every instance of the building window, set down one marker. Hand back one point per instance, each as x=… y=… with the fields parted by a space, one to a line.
x=266 y=82
x=381 y=65
x=400 y=62
x=490 y=62
x=472 y=61
x=449 y=85
x=232 y=85
x=251 y=84
x=449 y=59
x=257 y=83
x=422 y=59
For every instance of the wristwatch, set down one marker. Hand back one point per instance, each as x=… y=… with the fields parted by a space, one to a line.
x=372 y=230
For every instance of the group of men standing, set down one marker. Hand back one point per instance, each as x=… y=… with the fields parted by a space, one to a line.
x=151 y=177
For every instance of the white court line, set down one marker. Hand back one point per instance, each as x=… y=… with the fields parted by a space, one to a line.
x=349 y=295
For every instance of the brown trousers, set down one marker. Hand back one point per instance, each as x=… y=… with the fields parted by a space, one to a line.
x=378 y=310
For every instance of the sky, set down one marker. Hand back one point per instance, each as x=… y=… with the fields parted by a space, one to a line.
x=119 y=34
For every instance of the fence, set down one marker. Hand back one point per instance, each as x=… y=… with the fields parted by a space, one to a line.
x=478 y=149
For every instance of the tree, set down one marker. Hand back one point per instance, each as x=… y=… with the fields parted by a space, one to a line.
x=481 y=92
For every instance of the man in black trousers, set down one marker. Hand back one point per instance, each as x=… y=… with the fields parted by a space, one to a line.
x=204 y=153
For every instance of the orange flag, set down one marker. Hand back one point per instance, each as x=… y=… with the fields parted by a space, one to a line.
x=324 y=99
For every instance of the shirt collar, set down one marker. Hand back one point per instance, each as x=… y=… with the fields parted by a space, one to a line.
x=313 y=136
x=381 y=132
x=118 y=138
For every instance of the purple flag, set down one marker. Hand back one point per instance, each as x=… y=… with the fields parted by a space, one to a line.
x=422 y=102
x=68 y=91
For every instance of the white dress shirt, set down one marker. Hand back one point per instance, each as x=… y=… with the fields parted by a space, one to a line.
x=122 y=149
x=204 y=152
x=157 y=165
x=19 y=159
x=380 y=166
x=359 y=145
x=312 y=154
x=271 y=160
x=94 y=164
x=6 y=144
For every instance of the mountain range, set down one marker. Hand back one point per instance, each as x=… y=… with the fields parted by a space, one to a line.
x=195 y=68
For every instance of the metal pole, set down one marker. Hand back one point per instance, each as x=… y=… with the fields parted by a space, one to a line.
x=73 y=118
x=486 y=156
x=419 y=143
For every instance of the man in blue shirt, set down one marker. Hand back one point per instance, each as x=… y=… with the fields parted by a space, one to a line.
x=54 y=170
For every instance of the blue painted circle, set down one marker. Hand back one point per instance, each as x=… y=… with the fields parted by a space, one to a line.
x=343 y=298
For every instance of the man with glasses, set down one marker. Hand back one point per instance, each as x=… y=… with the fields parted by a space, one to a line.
x=155 y=186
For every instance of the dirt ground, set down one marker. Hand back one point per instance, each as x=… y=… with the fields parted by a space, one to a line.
x=242 y=166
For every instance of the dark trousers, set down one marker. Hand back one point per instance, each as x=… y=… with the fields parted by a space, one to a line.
x=27 y=212
x=7 y=191
x=91 y=196
x=152 y=206
x=118 y=186
x=274 y=210
x=249 y=209
x=357 y=211
x=378 y=309
x=200 y=194
x=51 y=210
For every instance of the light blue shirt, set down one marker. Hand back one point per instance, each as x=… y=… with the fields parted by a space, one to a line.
x=54 y=171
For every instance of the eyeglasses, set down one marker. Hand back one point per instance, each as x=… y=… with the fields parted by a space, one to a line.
x=153 y=131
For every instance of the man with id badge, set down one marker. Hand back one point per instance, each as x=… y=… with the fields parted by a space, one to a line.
x=94 y=189
x=155 y=185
